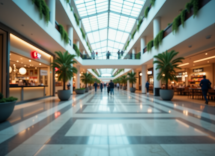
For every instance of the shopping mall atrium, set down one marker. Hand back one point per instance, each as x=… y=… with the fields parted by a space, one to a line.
x=107 y=77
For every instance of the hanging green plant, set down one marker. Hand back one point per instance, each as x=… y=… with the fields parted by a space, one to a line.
x=196 y=6
x=158 y=39
x=183 y=17
x=189 y=7
x=77 y=51
x=138 y=55
x=43 y=9
x=152 y=2
x=76 y=18
x=176 y=23
x=150 y=45
x=146 y=12
x=67 y=1
x=63 y=33
x=139 y=23
x=83 y=34
x=132 y=35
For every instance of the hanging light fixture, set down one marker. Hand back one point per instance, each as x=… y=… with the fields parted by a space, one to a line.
x=22 y=71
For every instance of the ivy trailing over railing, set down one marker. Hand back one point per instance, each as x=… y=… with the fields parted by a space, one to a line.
x=89 y=46
x=152 y=2
x=183 y=17
x=127 y=45
x=146 y=12
x=77 y=51
x=43 y=9
x=83 y=34
x=138 y=55
x=95 y=72
x=176 y=23
x=158 y=39
x=63 y=33
x=139 y=23
x=150 y=45
x=119 y=71
x=76 y=18
x=134 y=32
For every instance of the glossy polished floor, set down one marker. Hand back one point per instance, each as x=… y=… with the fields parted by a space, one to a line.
x=95 y=124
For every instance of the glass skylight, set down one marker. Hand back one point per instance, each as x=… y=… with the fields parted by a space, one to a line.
x=108 y=25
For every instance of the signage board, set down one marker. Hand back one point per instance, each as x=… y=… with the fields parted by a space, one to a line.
x=198 y=70
x=43 y=72
x=35 y=55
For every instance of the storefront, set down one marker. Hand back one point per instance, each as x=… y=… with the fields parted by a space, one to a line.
x=28 y=74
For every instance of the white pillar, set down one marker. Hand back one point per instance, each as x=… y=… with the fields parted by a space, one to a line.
x=142 y=45
x=144 y=78
x=128 y=85
x=78 y=44
x=52 y=6
x=133 y=54
x=157 y=83
x=70 y=34
x=78 y=77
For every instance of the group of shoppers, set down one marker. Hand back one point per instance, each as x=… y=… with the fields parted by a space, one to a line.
x=108 y=54
x=110 y=87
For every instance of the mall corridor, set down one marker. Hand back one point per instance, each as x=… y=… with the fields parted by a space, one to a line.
x=95 y=124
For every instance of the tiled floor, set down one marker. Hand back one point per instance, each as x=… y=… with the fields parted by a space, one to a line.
x=95 y=124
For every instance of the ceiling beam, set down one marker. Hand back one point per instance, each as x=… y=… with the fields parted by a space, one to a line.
x=108 y=40
x=109 y=28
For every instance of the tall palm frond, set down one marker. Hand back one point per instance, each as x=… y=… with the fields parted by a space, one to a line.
x=63 y=62
x=132 y=78
x=167 y=64
x=86 y=78
x=123 y=79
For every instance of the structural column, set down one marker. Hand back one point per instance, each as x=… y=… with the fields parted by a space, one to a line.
x=52 y=8
x=157 y=84
x=133 y=54
x=78 y=77
x=142 y=45
x=128 y=85
x=144 y=78
x=78 y=44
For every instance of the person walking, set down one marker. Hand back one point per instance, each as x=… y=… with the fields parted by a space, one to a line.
x=147 y=87
x=93 y=55
x=101 y=86
x=68 y=85
x=108 y=55
x=108 y=89
x=117 y=85
x=122 y=52
x=111 y=84
x=95 y=85
x=118 y=54
x=205 y=84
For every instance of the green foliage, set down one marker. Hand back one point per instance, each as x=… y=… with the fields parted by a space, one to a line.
x=64 y=34
x=123 y=79
x=139 y=23
x=95 y=72
x=146 y=12
x=86 y=78
x=153 y=2
x=43 y=9
x=10 y=99
x=138 y=55
x=1 y=96
x=176 y=23
x=150 y=45
x=188 y=7
x=80 y=89
x=158 y=39
x=67 y=1
x=95 y=80
x=127 y=44
x=77 y=51
x=119 y=71
x=166 y=63
x=196 y=6
x=83 y=34
x=132 y=35
x=183 y=17
x=76 y=18
x=63 y=62
x=132 y=78
x=89 y=46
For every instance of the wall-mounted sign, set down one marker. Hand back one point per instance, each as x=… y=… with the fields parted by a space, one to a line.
x=35 y=55
x=149 y=72
x=43 y=72
x=198 y=70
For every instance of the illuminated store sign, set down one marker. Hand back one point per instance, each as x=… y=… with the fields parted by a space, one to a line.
x=35 y=55
x=198 y=70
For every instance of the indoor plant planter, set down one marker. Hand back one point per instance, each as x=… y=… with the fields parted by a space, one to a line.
x=132 y=79
x=63 y=63
x=80 y=91
x=166 y=63
x=86 y=78
x=123 y=80
x=6 y=107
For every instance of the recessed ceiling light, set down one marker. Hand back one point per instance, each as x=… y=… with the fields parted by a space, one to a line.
x=206 y=53
x=29 y=60
x=207 y=58
x=17 y=61
x=24 y=65
x=39 y=63
x=183 y=64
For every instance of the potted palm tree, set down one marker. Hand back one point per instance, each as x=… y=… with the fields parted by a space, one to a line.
x=6 y=107
x=132 y=79
x=123 y=80
x=63 y=63
x=167 y=64
x=86 y=78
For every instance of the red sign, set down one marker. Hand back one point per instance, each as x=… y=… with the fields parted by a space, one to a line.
x=56 y=69
x=35 y=55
